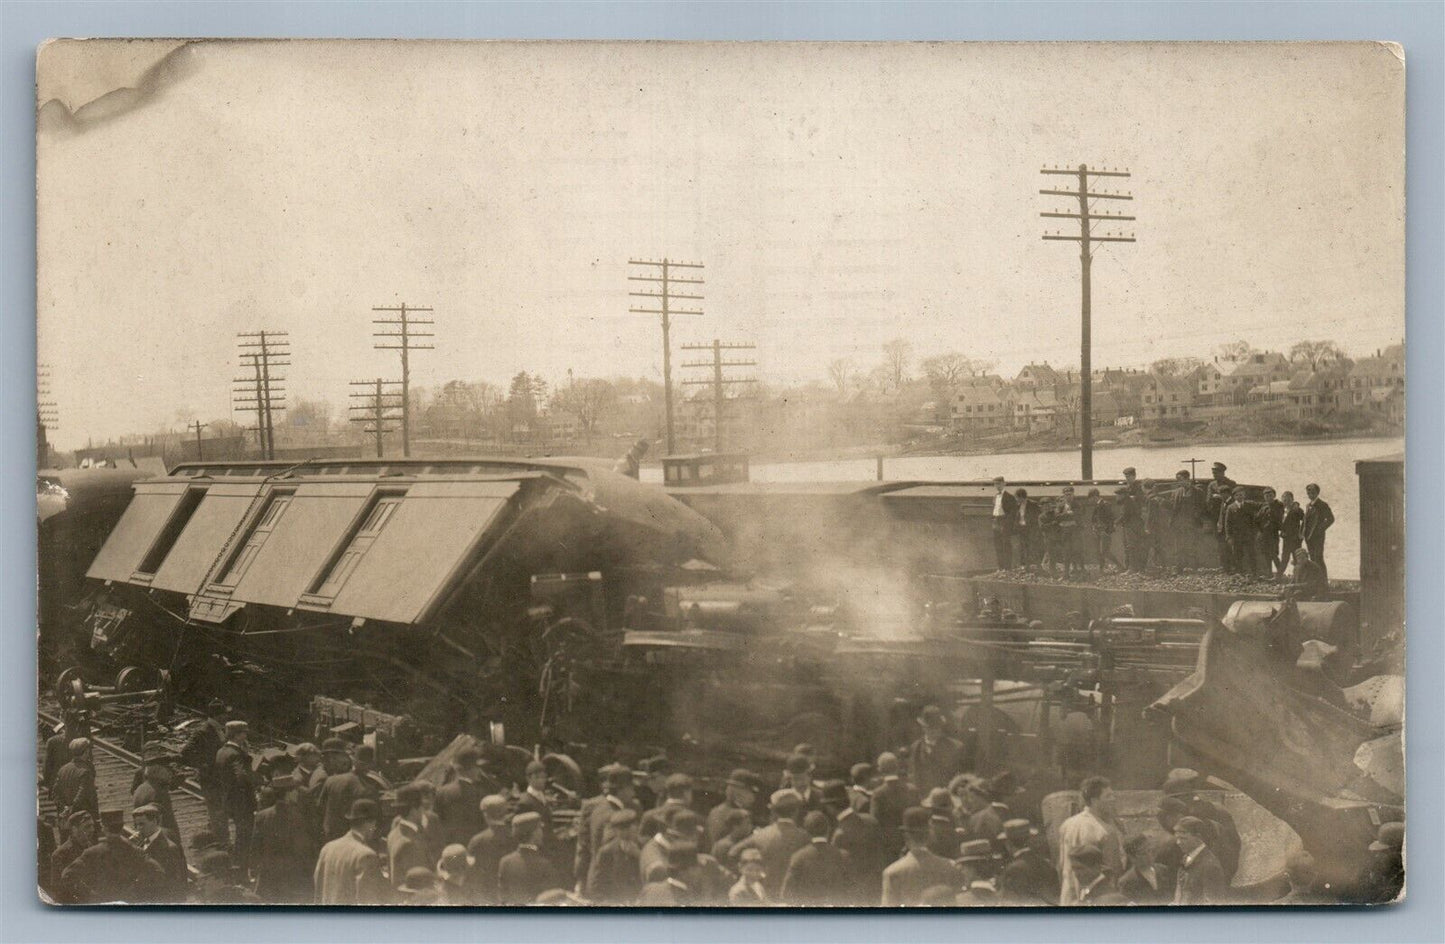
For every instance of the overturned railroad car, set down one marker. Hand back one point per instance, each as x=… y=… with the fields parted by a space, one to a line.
x=405 y=584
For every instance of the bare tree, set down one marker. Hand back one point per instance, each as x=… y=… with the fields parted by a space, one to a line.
x=947 y=371
x=1174 y=366
x=1317 y=353
x=841 y=372
x=589 y=400
x=897 y=355
x=1234 y=351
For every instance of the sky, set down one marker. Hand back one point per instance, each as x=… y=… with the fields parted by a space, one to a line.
x=839 y=196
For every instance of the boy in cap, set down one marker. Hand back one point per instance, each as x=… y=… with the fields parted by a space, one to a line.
x=525 y=873
x=490 y=846
x=113 y=870
x=905 y=881
x=155 y=789
x=615 y=877
x=1095 y=888
x=1201 y=880
x=1026 y=526
x=1216 y=495
x=1143 y=883
x=618 y=793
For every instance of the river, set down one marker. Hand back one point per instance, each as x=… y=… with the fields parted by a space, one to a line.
x=1283 y=465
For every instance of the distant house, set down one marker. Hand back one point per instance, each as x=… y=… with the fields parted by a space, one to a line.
x=982 y=405
x=1037 y=376
x=1209 y=384
x=1166 y=398
x=1035 y=410
x=1259 y=369
x=1383 y=372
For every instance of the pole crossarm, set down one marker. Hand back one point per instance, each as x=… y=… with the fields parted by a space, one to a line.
x=1086 y=238
x=663 y=274
x=405 y=321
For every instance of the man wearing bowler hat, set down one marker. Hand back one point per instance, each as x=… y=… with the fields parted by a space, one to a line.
x=740 y=792
x=348 y=871
x=935 y=758
x=905 y=881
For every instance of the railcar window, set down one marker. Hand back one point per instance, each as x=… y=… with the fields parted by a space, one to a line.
x=171 y=533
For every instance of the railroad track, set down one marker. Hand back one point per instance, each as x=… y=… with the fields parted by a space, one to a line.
x=115 y=771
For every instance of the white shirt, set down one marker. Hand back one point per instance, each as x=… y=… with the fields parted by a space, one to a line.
x=998 y=505
x=1083 y=829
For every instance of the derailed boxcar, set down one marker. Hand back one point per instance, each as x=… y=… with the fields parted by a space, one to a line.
x=405 y=584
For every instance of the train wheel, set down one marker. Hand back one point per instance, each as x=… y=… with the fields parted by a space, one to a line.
x=63 y=683
x=134 y=678
x=564 y=772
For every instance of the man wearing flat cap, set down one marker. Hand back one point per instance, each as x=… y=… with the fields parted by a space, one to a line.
x=525 y=873
x=891 y=797
x=1026 y=878
x=348 y=871
x=74 y=787
x=905 y=881
x=158 y=847
x=740 y=792
x=80 y=836
x=233 y=764
x=935 y=758
x=1216 y=496
x=155 y=789
x=778 y=840
x=859 y=835
x=535 y=800
x=112 y=869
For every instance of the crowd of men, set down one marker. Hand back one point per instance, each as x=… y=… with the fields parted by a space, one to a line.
x=1256 y=533
x=915 y=828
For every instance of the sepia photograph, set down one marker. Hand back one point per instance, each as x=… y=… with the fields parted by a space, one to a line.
x=712 y=475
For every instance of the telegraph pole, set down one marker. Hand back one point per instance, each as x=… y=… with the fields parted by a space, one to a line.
x=197 y=425
x=403 y=339
x=1086 y=239
x=379 y=407
x=267 y=351
x=718 y=381
x=665 y=280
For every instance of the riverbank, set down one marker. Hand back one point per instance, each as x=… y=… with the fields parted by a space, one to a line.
x=1018 y=443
